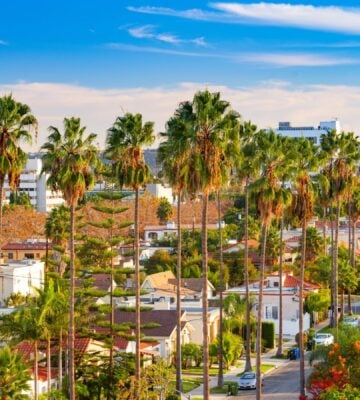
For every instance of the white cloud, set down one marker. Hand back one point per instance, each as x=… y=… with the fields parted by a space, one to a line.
x=296 y=59
x=3 y=43
x=265 y=104
x=345 y=20
x=148 y=32
x=327 y=18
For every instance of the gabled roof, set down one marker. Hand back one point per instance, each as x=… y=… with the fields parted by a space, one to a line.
x=165 y=318
x=194 y=284
x=293 y=281
x=165 y=283
x=101 y=281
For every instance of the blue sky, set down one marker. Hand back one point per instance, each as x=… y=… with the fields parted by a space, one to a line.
x=129 y=48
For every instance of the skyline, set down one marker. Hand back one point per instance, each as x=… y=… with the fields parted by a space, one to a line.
x=273 y=61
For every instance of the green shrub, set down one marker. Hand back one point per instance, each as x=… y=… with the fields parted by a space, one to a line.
x=173 y=396
x=268 y=334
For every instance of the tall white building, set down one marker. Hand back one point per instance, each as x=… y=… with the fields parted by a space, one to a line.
x=20 y=277
x=34 y=184
x=309 y=132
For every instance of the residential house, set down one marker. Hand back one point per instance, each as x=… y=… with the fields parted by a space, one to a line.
x=21 y=277
x=31 y=249
x=164 y=332
x=271 y=298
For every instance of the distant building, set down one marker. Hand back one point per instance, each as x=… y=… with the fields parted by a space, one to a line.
x=20 y=277
x=31 y=249
x=150 y=156
x=34 y=184
x=309 y=132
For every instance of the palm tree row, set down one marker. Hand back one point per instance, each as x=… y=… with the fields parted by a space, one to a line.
x=205 y=147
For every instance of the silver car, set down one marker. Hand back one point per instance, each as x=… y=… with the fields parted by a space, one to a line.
x=351 y=321
x=248 y=381
x=324 y=339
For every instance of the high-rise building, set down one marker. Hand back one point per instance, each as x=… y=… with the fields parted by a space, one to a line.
x=33 y=183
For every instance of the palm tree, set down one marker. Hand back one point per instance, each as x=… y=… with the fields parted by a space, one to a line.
x=247 y=170
x=174 y=167
x=355 y=215
x=307 y=161
x=14 y=375
x=125 y=141
x=214 y=141
x=15 y=123
x=70 y=160
x=268 y=192
x=343 y=150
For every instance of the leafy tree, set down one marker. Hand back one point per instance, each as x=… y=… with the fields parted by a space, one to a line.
x=160 y=261
x=164 y=212
x=317 y=302
x=22 y=199
x=16 y=121
x=314 y=244
x=14 y=375
x=70 y=160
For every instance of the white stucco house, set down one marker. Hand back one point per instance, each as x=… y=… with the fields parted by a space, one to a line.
x=271 y=299
x=20 y=277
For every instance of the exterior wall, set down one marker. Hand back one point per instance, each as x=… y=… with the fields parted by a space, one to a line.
x=195 y=319
x=19 y=255
x=34 y=184
x=150 y=235
x=41 y=386
x=158 y=190
x=291 y=327
x=20 y=277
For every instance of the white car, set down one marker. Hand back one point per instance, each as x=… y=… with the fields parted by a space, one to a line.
x=324 y=339
x=248 y=380
x=351 y=321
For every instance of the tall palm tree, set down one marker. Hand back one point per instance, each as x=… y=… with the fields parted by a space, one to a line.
x=343 y=150
x=69 y=160
x=247 y=170
x=268 y=191
x=173 y=159
x=307 y=161
x=16 y=121
x=125 y=141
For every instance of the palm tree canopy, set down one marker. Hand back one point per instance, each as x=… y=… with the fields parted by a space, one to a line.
x=70 y=160
x=125 y=140
x=16 y=121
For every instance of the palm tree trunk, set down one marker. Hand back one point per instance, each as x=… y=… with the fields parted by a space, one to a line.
x=260 y=306
x=332 y=283
x=301 y=309
x=71 y=339
x=111 y=351
x=342 y=301
x=36 y=370
x=336 y=251
x=280 y=345
x=248 y=366
x=206 y=391
x=352 y=260
x=221 y=282
x=324 y=232
x=1 y=205
x=137 y=294
x=349 y=230
x=60 y=358
x=178 y=299
x=48 y=364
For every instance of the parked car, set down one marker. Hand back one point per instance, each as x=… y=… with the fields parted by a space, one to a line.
x=324 y=339
x=248 y=380
x=351 y=321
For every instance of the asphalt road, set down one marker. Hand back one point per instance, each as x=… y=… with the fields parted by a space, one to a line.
x=280 y=384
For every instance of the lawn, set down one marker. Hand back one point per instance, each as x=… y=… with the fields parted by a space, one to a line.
x=188 y=384
x=200 y=371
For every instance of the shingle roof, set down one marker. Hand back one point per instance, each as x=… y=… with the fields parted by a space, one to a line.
x=165 y=283
x=101 y=281
x=25 y=246
x=165 y=318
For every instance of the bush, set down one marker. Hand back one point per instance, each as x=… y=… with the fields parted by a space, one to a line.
x=268 y=334
x=305 y=338
x=173 y=396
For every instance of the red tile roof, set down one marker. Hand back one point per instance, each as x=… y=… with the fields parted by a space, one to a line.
x=293 y=281
x=26 y=246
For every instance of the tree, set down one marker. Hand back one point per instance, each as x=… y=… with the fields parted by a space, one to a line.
x=22 y=199
x=16 y=121
x=70 y=160
x=164 y=211
x=307 y=161
x=268 y=192
x=14 y=375
x=125 y=141
x=314 y=244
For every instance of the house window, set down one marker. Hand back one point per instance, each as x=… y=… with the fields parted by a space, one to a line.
x=276 y=284
x=153 y=235
x=10 y=256
x=29 y=256
x=275 y=312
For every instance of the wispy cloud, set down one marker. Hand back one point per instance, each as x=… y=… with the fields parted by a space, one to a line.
x=3 y=43
x=148 y=49
x=149 y=32
x=327 y=18
x=332 y=18
x=296 y=60
x=269 y=59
